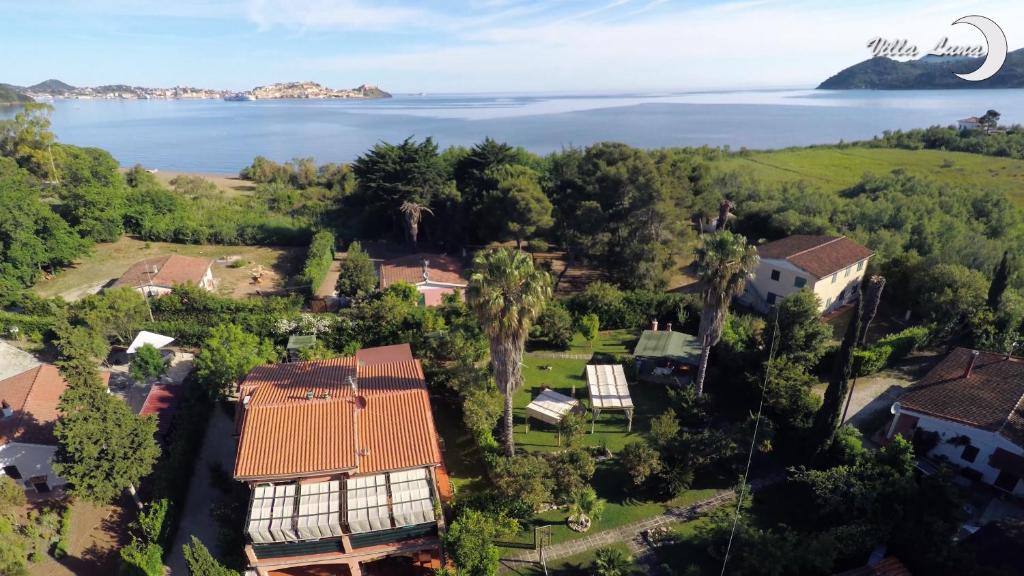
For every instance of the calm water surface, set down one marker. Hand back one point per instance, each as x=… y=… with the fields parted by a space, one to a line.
x=221 y=137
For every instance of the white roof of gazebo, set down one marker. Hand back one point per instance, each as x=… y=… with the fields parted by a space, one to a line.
x=550 y=406
x=155 y=340
x=608 y=388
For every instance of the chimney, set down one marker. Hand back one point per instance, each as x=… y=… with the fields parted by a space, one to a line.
x=970 y=365
x=354 y=384
x=426 y=270
x=654 y=325
x=668 y=326
x=309 y=395
x=7 y=410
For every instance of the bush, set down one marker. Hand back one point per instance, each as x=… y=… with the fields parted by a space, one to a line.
x=889 y=350
x=138 y=559
x=318 y=261
x=870 y=360
x=555 y=327
x=538 y=245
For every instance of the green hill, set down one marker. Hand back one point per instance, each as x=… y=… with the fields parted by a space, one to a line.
x=928 y=73
x=52 y=86
x=10 y=95
x=835 y=169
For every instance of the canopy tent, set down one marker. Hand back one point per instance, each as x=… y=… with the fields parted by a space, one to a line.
x=608 y=391
x=668 y=344
x=367 y=503
x=550 y=406
x=155 y=340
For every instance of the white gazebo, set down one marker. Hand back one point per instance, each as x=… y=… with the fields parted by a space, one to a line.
x=550 y=406
x=608 y=391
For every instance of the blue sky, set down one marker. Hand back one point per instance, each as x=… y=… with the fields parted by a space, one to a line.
x=470 y=46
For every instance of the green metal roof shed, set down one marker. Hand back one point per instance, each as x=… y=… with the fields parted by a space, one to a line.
x=666 y=344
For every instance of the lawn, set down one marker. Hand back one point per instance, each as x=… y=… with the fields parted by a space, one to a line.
x=107 y=262
x=835 y=169
x=577 y=565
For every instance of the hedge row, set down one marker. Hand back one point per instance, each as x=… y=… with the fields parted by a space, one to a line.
x=22 y=325
x=889 y=350
x=318 y=261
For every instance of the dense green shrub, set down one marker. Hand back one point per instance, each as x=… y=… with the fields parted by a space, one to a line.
x=318 y=261
x=13 y=324
x=871 y=360
x=140 y=559
x=889 y=350
x=554 y=327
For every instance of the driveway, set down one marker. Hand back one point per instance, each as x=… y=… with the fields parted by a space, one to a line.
x=218 y=447
x=873 y=397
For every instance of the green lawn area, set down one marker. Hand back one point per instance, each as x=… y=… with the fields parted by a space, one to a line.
x=577 y=565
x=109 y=261
x=835 y=169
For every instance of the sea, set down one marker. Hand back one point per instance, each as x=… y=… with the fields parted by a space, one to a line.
x=219 y=137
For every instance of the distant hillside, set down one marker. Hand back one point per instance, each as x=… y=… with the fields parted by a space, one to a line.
x=928 y=73
x=52 y=87
x=11 y=95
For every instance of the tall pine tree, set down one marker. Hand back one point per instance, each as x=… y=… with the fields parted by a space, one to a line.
x=1000 y=280
x=826 y=421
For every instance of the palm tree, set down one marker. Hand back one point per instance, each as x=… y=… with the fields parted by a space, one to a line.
x=585 y=508
x=612 y=562
x=507 y=293
x=413 y=214
x=724 y=261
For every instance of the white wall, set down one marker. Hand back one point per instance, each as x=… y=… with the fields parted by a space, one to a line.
x=31 y=460
x=828 y=292
x=986 y=442
x=845 y=280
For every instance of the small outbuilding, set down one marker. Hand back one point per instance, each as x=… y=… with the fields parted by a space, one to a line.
x=297 y=343
x=608 y=391
x=665 y=356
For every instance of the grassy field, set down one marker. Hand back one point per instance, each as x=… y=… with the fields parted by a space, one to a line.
x=108 y=262
x=839 y=168
x=577 y=565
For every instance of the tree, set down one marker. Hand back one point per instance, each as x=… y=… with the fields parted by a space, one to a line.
x=80 y=345
x=555 y=326
x=612 y=562
x=102 y=447
x=803 y=337
x=507 y=293
x=523 y=480
x=358 y=277
x=470 y=541
x=589 y=326
x=27 y=139
x=1000 y=281
x=228 y=354
x=118 y=313
x=201 y=563
x=640 y=461
x=147 y=364
x=990 y=119
x=413 y=214
x=872 y=298
x=519 y=203
x=11 y=495
x=826 y=421
x=571 y=470
x=724 y=261
x=665 y=429
x=12 y=550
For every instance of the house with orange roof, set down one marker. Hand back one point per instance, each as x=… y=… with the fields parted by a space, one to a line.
x=28 y=411
x=971 y=404
x=433 y=275
x=832 y=267
x=343 y=462
x=158 y=276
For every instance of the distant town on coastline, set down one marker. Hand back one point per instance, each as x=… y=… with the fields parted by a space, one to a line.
x=50 y=89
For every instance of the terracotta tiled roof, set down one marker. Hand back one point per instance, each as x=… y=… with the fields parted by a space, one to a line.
x=384 y=355
x=442 y=268
x=385 y=425
x=162 y=402
x=33 y=395
x=817 y=255
x=991 y=398
x=169 y=270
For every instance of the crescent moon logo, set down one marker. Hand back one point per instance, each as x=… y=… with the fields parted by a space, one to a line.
x=997 y=48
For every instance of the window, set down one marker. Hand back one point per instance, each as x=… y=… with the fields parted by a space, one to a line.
x=772 y=298
x=775 y=275
x=847 y=273
x=13 y=472
x=834 y=276
x=828 y=302
x=860 y=266
x=1007 y=481
x=969 y=453
x=800 y=282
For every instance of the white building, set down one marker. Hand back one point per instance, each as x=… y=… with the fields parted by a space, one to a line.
x=974 y=402
x=972 y=123
x=158 y=276
x=29 y=410
x=830 y=266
